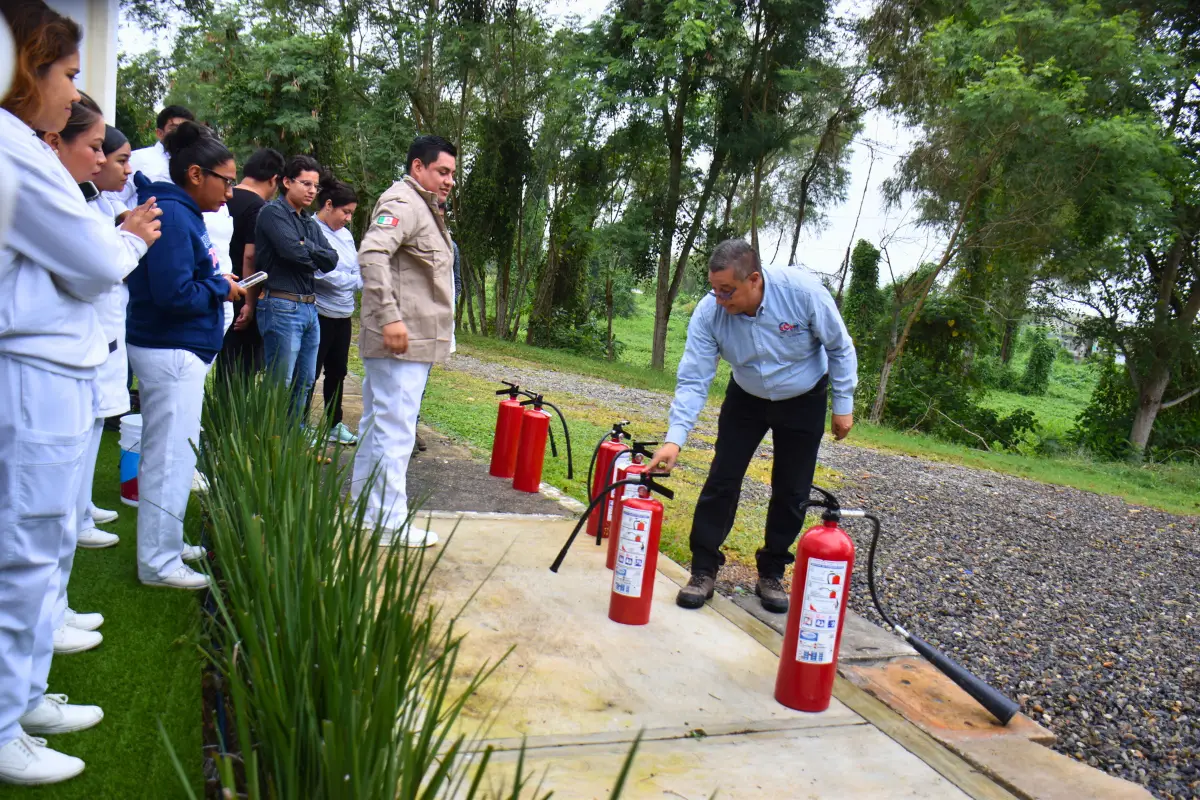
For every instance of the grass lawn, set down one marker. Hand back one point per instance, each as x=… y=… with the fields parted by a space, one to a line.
x=1071 y=387
x=146 y=671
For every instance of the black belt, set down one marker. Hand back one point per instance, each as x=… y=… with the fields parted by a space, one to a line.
x=295 y=298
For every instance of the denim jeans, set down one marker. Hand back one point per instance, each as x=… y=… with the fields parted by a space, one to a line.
x=291 y=336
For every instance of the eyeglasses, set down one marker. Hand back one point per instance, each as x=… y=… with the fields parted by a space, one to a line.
x=306 y=184
x=722 y=295
x=229 y=182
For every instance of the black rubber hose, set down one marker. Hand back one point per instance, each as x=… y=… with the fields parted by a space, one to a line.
x=567 y=436
x=1000 y=706
x=592 y=463
x=553 y=447
x=602 y=496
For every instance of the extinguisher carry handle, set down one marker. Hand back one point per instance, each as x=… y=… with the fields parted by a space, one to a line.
x=512 y=391
x=649 y=482
x=642 y=448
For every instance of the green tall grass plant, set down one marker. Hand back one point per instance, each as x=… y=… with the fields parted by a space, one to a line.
x=340 y=676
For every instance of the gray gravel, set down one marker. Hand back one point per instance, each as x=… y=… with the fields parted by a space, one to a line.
x=1082 y=607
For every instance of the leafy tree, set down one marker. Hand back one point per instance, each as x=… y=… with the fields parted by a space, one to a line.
x=141 y=84
x=864 y=304
x=1042 y=354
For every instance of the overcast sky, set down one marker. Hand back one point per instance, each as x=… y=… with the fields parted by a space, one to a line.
x=821 y=250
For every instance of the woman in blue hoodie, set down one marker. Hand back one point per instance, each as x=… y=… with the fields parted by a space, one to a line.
x=174 y=329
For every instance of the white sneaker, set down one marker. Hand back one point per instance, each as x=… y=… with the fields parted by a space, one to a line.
x=75 y=640
x=96 y=539
x=412 y=537
x=199 y=483
x=55 y=716
x=27 y=761
x=102 y=516
x=83 y=622
x=193 y=552
x=183 y=578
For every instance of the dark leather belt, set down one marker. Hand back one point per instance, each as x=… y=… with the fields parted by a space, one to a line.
x=295 y=298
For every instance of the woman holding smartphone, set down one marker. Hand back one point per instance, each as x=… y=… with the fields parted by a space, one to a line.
x=80 y=148
x=174 y=330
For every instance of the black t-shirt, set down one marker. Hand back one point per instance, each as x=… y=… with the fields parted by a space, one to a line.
x=244 y=208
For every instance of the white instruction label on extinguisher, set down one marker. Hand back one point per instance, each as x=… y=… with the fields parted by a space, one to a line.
x=824 y=598
x=623 y=460
x=631 y=552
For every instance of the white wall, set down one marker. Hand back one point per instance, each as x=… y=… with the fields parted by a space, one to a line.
x=98 y=53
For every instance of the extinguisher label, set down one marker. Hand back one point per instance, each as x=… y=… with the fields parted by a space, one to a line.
x=824 y=599
x=631 y=552
x=622 y=461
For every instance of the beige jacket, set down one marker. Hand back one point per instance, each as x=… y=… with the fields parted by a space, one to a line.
x=407 y=263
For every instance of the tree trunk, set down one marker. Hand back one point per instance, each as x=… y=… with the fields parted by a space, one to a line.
x=1150 y=396
x=754 y=200
x=608 y=302
x=543 y=300
x=1006 y=343
x=662 y=298
x=827 y=138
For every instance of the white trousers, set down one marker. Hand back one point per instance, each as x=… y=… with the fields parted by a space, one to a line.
x=171 y=388
x=391 y=399
x=45 y=423
x=83 y=515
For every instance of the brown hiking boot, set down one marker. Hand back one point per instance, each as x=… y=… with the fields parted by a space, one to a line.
x=774 y=598
x=698 y=590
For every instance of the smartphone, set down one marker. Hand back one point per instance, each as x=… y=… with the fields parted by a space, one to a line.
x=253 y=280
x=90 y=192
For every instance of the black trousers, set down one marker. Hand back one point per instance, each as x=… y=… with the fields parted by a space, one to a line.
x=241 y=352
x=333 y=358
x=796 y=426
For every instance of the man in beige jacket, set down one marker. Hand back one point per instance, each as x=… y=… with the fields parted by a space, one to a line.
x=407 y=263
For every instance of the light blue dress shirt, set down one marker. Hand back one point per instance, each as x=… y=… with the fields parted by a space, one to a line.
x=782 y=352
x=335 y=289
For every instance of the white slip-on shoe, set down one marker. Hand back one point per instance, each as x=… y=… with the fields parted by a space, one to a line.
x=54 y=715
x=83 y=622
x=27 y=761
x=96 y=539
x=193 y=552
x=102 y=516
x=183 y=578
x=75 y=640
x=411 y=537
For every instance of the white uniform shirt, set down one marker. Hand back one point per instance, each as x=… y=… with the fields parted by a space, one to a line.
x=56 y=261
x=113 y=375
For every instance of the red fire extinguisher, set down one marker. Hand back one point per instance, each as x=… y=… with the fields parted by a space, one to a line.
x=608 y=450
x=531 y=447
x=637 y=467
x=637 y=558
x=508 y=432
x=816 y=616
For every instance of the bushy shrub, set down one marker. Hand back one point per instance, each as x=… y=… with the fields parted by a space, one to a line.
x=589 y=339
x=1104 y=426
x=995 y=374
x=920 y=400
x=1042 y=353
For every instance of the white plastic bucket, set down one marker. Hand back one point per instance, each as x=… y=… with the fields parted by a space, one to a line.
x=131 y=456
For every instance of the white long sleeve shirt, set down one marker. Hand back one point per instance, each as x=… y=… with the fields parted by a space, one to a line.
x=783 y=351
x=335 y=289
x=57 y=261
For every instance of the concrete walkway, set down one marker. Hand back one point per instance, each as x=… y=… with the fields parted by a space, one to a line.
x=577 y=688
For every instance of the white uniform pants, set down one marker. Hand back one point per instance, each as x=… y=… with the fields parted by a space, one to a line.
x=83 y=515
x=171 y=388
x=391 y=402
x=45 y=422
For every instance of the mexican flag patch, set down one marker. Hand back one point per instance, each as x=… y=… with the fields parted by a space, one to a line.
x=387 y=221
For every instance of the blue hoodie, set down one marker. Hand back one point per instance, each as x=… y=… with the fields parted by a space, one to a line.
x=176 y=293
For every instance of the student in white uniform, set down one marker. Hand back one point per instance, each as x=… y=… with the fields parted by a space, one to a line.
x=79 y=146
x=55 y=263
x=174 y=329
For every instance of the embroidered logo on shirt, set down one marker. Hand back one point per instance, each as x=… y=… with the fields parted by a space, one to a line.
x=387 y=221
x=789 y=327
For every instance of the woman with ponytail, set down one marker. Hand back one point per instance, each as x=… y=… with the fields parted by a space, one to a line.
x=336 y=202
x=54 y=264
x=174 y=330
